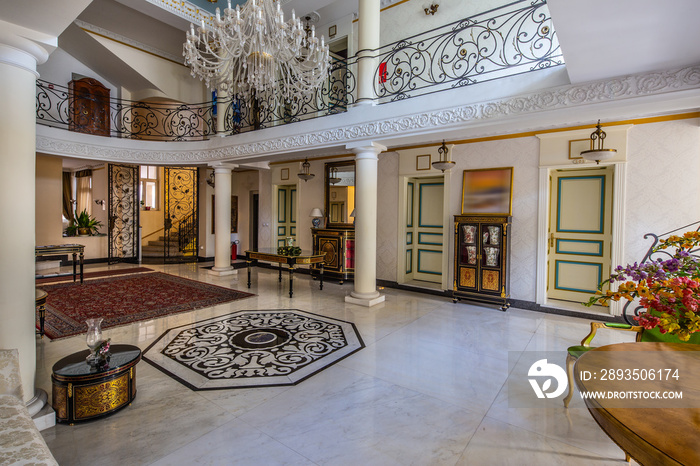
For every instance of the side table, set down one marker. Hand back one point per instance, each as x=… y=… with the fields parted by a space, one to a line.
x=81 y=391
x=40 y=304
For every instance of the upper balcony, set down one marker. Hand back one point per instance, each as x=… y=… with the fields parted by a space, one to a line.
x=493 y=73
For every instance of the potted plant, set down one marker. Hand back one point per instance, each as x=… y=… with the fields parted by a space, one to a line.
x=83 y=225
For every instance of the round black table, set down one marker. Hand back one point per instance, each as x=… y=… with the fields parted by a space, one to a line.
x=81 y=391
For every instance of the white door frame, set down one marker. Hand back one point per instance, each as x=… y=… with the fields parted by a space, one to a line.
x=618 y=227
x=447 y=223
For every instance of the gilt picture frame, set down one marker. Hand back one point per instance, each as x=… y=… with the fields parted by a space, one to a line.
x=488 y=191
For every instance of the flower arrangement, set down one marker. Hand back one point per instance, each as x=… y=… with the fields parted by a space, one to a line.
x=289 y=250
x=669 y=289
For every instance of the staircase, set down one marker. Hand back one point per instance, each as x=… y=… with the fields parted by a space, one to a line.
x=154 y=250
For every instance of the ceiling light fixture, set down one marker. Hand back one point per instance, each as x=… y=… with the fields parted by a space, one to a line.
x=443 y=163
x=334 y=179
x=598 y=153
x=251 y=51
x=305 y=173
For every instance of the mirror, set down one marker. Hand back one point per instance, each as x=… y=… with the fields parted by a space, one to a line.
x=340 y=194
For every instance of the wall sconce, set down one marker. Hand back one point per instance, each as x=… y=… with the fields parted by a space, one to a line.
x=598 y=153
x=317 y=215
x=100 y=202
x=444 y=162
x=305 y=173
x=432 y=9
x=210 y=180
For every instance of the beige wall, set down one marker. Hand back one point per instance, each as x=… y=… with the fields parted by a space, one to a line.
x=49 y=194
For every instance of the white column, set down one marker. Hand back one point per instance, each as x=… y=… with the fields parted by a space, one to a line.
x=18 y=60
x=368 y=42
x=365 y=292
x=222 y=224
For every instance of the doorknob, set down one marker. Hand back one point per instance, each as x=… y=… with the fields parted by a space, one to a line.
x=551 y=240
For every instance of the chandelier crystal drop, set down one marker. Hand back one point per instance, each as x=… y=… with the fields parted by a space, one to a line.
x=251 y=51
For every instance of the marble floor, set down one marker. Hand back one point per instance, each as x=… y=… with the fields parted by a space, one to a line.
x=430 y=388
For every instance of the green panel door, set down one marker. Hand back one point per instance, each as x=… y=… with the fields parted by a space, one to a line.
x=286 y=213
x=580 y=232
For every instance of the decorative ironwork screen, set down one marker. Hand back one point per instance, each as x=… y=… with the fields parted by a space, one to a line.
x=181 y=214
x=123 y=228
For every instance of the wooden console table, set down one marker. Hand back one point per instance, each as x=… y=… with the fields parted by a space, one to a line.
x=81 y=391
x=61 y=249
x=653 y=432
x=270 y=255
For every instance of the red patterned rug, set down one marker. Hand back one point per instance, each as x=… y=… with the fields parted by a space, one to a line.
x=125 y=299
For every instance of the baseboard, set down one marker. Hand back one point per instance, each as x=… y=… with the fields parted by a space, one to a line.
x=519 y=303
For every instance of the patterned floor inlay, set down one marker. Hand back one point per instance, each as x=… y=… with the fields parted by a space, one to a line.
x=253 y=349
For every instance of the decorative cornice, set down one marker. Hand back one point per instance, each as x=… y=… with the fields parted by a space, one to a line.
x=127 y=41
x=563 y=97
x=184 y=9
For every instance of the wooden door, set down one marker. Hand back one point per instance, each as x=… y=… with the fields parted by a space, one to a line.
x=424 y=229
x=580 y=232
x=286 y=213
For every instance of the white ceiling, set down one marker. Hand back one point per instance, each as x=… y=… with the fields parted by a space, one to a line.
x=606 y=38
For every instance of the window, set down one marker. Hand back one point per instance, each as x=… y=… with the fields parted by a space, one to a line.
x=83 y=179
x=148 y=188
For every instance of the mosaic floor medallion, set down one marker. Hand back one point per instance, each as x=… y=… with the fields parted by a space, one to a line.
x=253 y=349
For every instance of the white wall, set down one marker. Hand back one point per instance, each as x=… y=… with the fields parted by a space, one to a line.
x=663 y=192
x=59 y=69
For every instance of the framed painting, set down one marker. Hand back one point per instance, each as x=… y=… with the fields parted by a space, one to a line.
x=488 y=191
x=576 y=146
x=422 y=162
x=234 y=214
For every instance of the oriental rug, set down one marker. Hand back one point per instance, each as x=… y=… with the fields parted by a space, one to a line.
x=125 y=299
x=253 y=348
x=89 y=275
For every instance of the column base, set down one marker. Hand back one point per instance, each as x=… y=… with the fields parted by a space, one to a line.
x=223 y=271
x=41 y=412
x=365 y=299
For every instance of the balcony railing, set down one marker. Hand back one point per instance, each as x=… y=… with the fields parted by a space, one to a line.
x=506 y=41
x=510 y=40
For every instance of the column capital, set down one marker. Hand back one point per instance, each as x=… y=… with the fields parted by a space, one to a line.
x=24 y=48
x=365 y=149
x=221 y=167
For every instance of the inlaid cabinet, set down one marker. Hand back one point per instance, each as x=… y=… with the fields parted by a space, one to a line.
x=482 y=253
x=338 y=245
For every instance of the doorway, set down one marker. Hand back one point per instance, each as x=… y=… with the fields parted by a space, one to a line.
x=123 y=224
x=254 y=215
x=181 y=223
x=424 y=235
x=580 y=232
x=286 y=225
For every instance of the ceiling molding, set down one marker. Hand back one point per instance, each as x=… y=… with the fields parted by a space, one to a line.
x=332 y=140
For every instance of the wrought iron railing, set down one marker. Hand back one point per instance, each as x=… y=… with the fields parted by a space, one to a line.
x=502 y=42
x=631 y=309
x=58 y=106
x=268 y=110
x=186 y=235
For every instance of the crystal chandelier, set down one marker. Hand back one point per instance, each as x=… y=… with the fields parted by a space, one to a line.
x=252 y=50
